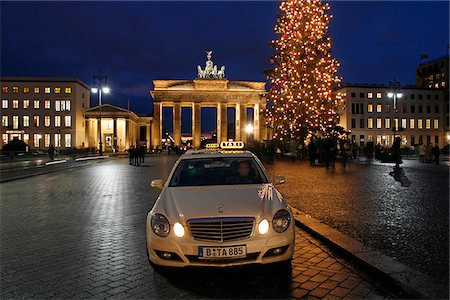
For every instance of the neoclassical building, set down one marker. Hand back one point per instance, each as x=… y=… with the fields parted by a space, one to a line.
x=210 y=89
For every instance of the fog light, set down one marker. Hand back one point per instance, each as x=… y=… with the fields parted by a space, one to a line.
x=277 y=251
x=166 y=255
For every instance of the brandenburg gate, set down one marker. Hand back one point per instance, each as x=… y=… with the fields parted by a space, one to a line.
x=210 y=89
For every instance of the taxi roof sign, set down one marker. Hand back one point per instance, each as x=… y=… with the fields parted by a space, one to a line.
x=232 y=145
x=212 y=146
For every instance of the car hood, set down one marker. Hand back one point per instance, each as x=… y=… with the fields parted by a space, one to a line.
x=184 y=203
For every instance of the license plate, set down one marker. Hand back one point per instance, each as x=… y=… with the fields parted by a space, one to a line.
x=222 y=252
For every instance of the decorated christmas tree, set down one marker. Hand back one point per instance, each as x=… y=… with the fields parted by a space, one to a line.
x=300 y=99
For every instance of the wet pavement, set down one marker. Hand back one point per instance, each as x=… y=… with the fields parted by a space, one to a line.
x=80 y=233
x=407 y=220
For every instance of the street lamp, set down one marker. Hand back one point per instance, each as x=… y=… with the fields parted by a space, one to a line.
x=396 y=96
x=100 y=86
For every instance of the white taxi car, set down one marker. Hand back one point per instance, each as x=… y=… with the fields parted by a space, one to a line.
x=218 y=208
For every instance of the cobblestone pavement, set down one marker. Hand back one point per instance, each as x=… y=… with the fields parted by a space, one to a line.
x=406 y=222
x=80 y=233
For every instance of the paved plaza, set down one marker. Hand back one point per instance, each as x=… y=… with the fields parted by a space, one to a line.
x=80 y=233
x=408 y=222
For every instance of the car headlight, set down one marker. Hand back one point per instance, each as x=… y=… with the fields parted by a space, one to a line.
x=281 y=220
x=160 y=225
x=178 y=229
x=263 y=226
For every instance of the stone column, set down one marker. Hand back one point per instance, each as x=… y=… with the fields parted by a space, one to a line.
x=157 y=125
x=243 y=121
x=237 y=125
x=114 y=134
x=99 y=131
x=147 y=136
x=196 y=125
x=127 y=134
x=87 y=142
x=177 y=124
x=221 y=122
x=256 y=130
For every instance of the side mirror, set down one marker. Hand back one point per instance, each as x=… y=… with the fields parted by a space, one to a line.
x=279 y=180
x=157 y=184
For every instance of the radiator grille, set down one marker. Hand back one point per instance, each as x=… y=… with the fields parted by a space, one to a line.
x=221 y=229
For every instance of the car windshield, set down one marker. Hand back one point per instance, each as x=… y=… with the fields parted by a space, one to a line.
x=217 y=171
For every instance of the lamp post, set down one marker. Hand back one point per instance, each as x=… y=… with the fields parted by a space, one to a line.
x=100 y=86
x=396 y=96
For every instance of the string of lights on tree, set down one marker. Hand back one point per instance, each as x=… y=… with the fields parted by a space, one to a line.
x=300 y=99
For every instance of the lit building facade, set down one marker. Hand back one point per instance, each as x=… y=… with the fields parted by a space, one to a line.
x=434 y=75
x=44 y=111
x=369 y=115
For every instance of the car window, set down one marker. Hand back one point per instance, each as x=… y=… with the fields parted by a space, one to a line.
x=217 y=171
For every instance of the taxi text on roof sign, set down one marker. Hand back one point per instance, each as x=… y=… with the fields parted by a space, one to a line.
x=232 y=145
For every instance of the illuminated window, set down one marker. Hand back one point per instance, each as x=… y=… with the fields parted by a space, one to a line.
x=369 y=137
x=378 y=95
x=57 y=139
x=57 y=121
x=47 y=90
x=47 y=104
x=67 y=108
x=436 y=85
x=68 y=90
x=370 y=123
x=36 y=121
x=15 y=122
x=404 y=123
x=443 y=84
x=26 y=103
x=387 y=123
x=15 y=89
x=26 y=137
x=4 y=103
x=36 y=103
x=68 y=121
x=396 y=124
x=26 y=121
x=68 y=140
x=57 y=90
x=15 y=103
x=36 y=90
x=436 y=124
x=47 y=121
x=379 y=107
x=5 y=138
x=26 y=90
x=5 y=121
x=37 y=138
x=411 y=123
x=370 y=95
x=388 y=108
x=427 y=124
x=5 y=89
x=379 y=123
x=58 y=105
x=419 y=124
x=46 y=140
x=370 y=107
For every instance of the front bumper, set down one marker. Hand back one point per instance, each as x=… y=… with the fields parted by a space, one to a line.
x=181 y=252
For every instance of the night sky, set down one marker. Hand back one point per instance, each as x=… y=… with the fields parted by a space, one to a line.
x=134 y=43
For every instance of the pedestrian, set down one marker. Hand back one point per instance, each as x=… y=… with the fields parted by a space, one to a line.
x=312 y=153
x=421 y=152
x=51 y=152
x=436 y=154
x=136 y=155
x=142 y=154
x=130 y=154
x=344 y=153
x=428 y=153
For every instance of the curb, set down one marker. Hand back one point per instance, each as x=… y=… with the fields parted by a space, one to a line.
x=411 y=283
